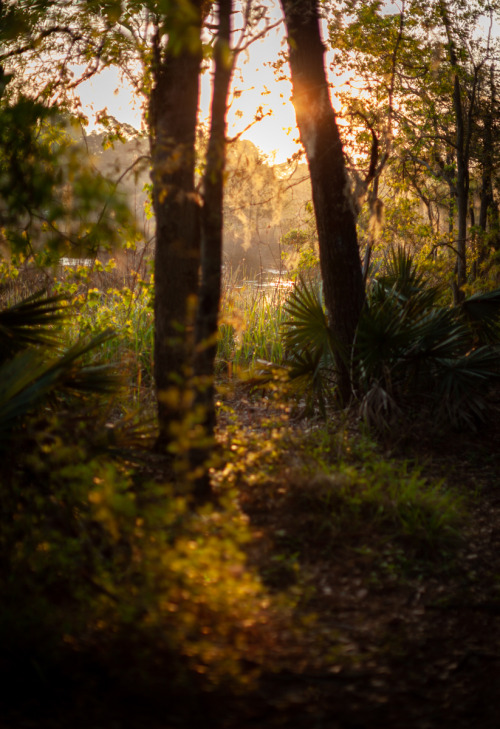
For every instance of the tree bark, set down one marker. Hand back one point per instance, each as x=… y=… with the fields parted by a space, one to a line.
x=206 y=329
x=172 y=118
x=462 y=144
x=335 y=217
x=487 y=157
x=462 y=186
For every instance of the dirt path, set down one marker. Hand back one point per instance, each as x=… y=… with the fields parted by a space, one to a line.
x=382 y=640
x=418 y=652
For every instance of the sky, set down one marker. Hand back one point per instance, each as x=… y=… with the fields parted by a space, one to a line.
x=254 y=76
x=276 y=135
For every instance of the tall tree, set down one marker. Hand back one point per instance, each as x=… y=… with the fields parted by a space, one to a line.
x=165 y=41
x=488 y=133
x=173 y=108
x=207 y=318
x=333 y=203
x=368 y=45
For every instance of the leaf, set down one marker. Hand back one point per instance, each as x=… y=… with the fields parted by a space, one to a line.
x=31 y=322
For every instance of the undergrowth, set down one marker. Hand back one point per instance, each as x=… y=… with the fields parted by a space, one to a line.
x=328 y=493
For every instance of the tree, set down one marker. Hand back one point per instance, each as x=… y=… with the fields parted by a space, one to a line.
x=368 y=45
x=207 y=317
x=177 y=54
x=333 y=203
x=433 y=73
x=167 y=44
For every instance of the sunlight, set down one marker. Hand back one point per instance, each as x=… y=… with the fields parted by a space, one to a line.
x=109 y=90
x=263 y=105
x=256 y=94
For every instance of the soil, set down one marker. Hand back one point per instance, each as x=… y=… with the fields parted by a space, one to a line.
x=390 y=646
x=414 y=651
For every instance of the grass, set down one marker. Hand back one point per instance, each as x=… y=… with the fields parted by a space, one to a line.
x=323 y=495
x=130 y=314
x=250 y=330
x=316 y=534
x=341 y=488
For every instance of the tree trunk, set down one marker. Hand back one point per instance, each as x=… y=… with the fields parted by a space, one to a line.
x=211 y=256
x=461 y=152
x=487 y=156
x=172 y=117
x=462 y=185
x=335 y=217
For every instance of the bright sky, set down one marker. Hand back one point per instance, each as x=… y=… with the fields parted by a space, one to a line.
x=274 y=135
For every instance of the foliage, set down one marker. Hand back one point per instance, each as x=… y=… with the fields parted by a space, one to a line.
x=411 y=354
x=31 y=374
x=129 y=313
x=309 y=345
x=103 y=560
x=52 y=204
x=429 y=123
x=330 y=493
x=384 y=497
x=105 y=564
x=300 y=248
x=250 y=326
x=410 y=350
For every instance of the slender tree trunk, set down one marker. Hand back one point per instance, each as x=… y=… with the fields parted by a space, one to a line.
x=335 y=217
x=211 y=255
x=173 y=116
x=462 y=185
x=461 y=153
x=486 y=194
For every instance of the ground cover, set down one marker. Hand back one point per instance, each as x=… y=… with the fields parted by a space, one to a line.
x=339 y=580
x=405 y=629
x=386 y=564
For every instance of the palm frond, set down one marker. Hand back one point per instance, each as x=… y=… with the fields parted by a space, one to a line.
x=29 y=378
x=31 y=322
x=96 y=378
x=402 y=274
x=382 y=335
x=482 y=314
x=403 y=284
x=310 y=345
x=462 y=385
x=307 y=325
x=437 y=334
x=312 y=380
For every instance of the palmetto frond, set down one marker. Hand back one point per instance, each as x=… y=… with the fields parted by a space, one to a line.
x=462 y=385
x=307 y=326
x=409 y=351
x=31 y=376
x=401 y=274
x=31 y=322
x=482 y=314
x=403 y=284
x=309 y=345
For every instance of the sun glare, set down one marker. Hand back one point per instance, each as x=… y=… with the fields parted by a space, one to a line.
x=260 y=107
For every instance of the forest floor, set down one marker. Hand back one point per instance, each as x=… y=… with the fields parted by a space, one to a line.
x=389 y=634
x=398 y=643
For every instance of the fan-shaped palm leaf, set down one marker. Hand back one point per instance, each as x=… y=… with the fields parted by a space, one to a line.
x=31 y=322
x=28 y=378
x=309 y=344
x=462 y=385
x=482 y=314
x=307 y=327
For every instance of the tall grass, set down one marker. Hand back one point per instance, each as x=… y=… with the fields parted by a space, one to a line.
x=250 y=322
x=250 y=326
x=130 y=314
